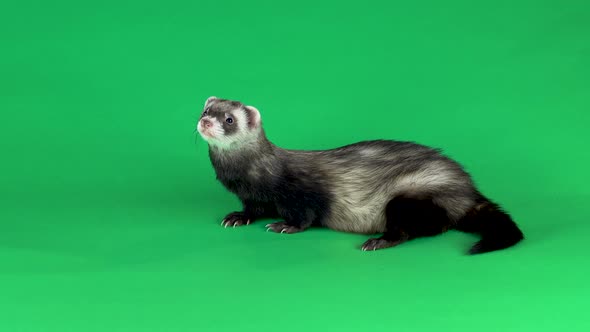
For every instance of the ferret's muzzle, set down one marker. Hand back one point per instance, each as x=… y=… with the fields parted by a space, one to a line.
x=205 y=127
x=206 y=123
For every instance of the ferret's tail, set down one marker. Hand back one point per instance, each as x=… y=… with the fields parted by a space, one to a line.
x=496 y=227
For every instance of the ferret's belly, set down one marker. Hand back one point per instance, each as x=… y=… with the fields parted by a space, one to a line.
x=357 y=201
x=355 y=216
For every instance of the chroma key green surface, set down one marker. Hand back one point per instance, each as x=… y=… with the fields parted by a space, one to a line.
x=110 y=210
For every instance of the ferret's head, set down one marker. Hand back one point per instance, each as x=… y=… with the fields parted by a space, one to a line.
x=229 y=124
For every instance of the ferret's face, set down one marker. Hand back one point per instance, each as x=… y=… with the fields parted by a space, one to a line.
x=227 y=123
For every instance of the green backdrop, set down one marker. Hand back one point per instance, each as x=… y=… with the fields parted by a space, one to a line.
x=110 y=209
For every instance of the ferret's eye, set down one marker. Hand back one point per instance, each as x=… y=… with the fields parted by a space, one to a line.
x=229 y=120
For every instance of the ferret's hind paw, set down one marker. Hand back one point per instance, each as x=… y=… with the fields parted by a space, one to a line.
x=282 y=227
x=235 y=219
x=378 y=243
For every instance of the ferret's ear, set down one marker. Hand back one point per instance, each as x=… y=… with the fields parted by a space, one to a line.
x=253 y=116
x=209 y=101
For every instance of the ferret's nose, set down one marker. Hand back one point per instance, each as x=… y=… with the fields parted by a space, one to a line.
x=206 y=123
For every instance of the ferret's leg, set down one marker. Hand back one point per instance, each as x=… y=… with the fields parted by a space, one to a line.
x=252 y=211
x=299 y=211
x=297 y=219
x=409 y=218
x=299 y=206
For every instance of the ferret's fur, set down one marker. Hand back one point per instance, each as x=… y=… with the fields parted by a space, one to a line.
x=401 y=189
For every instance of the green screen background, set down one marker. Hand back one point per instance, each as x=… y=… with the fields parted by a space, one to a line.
x=110 y=209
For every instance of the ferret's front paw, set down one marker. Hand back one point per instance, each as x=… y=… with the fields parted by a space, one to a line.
x=282 y=227
x=235 y=219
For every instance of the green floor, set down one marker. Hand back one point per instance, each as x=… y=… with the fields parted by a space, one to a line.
x=110 y=209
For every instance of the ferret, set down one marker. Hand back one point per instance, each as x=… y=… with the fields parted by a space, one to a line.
x=402 y=190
